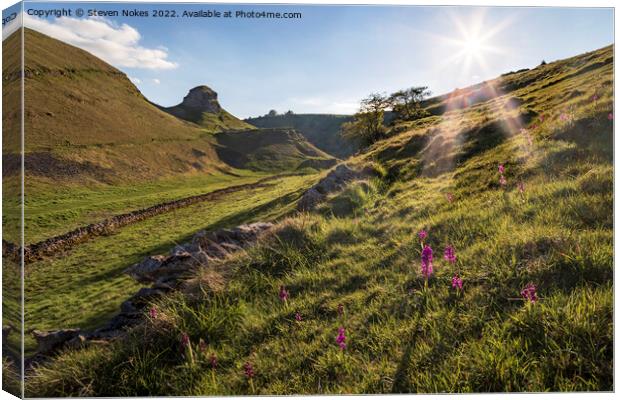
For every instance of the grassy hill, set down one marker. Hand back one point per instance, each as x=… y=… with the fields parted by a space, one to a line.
x=95 y=146
x=270 y=150
x=322 y=130
x=514 y=175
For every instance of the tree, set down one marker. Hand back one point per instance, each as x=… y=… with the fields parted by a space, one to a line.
x=272 y=113
x=367 y=125
x=289 y=113
x=406 y=103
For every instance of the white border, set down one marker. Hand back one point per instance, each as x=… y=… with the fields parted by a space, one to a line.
x=488 y=3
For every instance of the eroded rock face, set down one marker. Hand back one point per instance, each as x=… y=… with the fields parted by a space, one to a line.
x=202 y=98
x=336 y=180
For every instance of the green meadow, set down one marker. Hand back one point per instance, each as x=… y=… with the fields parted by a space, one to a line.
x=519 y=184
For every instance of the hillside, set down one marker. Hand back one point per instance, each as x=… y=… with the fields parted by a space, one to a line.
x=86 y=122
x=470 y=251
x=201 y=107
x=322 y=130
x=270 y=150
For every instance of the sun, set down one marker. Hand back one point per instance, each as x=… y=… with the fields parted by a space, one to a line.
x=473 y=43
x=473 y=46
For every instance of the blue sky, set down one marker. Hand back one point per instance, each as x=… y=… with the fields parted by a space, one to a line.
x=330 y=58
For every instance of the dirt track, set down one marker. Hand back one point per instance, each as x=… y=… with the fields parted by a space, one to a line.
x=56 y=244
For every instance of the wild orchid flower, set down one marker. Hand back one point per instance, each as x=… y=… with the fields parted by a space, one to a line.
x=501 y=168
x=341 y=338
x=450 y=197
x=427 y=262
x=153 y=312
x=186 y=348
x=283 y=294
x=457 y=282
x=340 y=310
x=298 y=317
x=521 y=187
x=449 y=254
x=529 y=293
x=248 y=370
x=502 y=180
x=422 y=235
x=610 y=116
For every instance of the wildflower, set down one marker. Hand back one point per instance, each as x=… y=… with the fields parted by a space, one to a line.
x=501 y=168
x=283 y=294
x=340 y=310
x=502 y=180
x=529 y=140
x=202 y=346
x=341 y=338
x=450 y=197
x=610 y=116
x=529 y=293
x=564 y=117
x=298 y=317
x=594 y=97
x=449 y=255
x=521 y=187
x=542 y=118
x=184 y=341
x=248 y=370
x=457 y=282
x=186 y=348
x=427 y=261
x=153 y=312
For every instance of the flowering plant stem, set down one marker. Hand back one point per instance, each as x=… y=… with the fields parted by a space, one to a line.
x=213 y=377
x=252 y=386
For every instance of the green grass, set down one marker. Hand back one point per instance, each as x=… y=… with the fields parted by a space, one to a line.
x=50 y=211
x=86 y=285
x=360 y=249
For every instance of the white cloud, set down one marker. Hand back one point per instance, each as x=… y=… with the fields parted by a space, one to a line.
x=156 y=81
x=135 y=80
x=117 y=45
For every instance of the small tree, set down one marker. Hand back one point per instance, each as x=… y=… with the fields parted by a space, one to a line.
x=272 y=113
x=407 y=103
x=367 y=124
x=289 y=113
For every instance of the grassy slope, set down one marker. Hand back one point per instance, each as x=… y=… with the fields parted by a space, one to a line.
x=97 y=122
x=400 y=336
x=93 y=285
x=322 y=130
x=96 y=147
x=267 y=149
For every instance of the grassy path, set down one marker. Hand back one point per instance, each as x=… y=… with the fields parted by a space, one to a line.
x=86 y=285
x=56 y=244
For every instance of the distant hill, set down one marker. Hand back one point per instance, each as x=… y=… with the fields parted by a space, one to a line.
x=201 y=107
x=322 y=130
x=270 y=150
